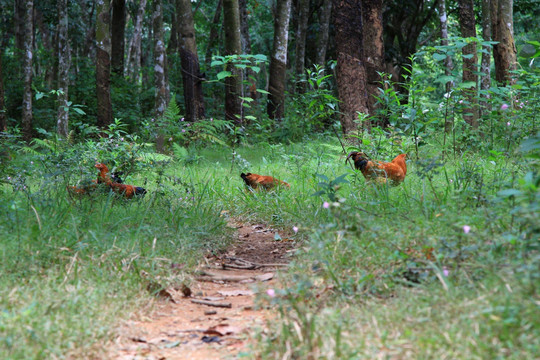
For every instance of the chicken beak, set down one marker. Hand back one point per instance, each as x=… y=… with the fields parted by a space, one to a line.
x=349 y=156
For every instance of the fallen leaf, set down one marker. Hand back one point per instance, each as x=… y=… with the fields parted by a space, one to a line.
x=235 y=292
x=264 y=277
x=222 y=330
x=170 y=345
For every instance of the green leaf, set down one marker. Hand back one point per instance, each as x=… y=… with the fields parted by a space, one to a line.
x=439 y=57
x=223 y=74
x=468 y=56
x=509 y=192
x=79 y=111
x=216 y=63
x=263 y=91
x=256 y=69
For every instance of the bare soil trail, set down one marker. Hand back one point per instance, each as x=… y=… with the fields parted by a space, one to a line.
x=219 y=318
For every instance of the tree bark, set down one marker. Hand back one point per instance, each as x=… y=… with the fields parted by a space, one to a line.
x=3 y=116
x=134 y=58
x=160 y=69
x=62 y=122
x=19 y=22
x=250 y=75
x=233 y=46
x=191 y=74
x=485 y=63
x=373 y=45
x=27 y=70
x=214 y=28
x=504 y=53
x=350 y=71
x=301 y=31
x=448 y=64
x=278 y=61
x=470 y=62
x=118 y=28
x=324 y=30
x=103 y=64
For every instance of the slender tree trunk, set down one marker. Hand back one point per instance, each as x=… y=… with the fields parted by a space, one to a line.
x=301 y=31
x=448 y=64
x=3 y=116
x=50 y=70
x=504 y=53
x=485 y=64
x=350 y=71
x=278 y=61
x=103 y=64
x=324 y=30
x=191 y=74
x=19 y=22
x=89 y=42
x=372 y=37
x=63 y=69
x=118 y=28
x=27 y=70
x=250 y=75
x=134 y=65
x=214 y=28
x=470 y=62
x=233 y=46
x=160 y=69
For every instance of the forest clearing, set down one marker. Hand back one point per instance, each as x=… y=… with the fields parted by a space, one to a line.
x=245 y=179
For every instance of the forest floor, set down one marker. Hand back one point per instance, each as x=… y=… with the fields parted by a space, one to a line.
x=224 y=327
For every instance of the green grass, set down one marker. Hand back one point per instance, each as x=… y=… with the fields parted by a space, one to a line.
x=71 y=270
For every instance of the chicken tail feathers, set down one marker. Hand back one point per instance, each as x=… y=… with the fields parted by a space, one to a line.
x=140 y=191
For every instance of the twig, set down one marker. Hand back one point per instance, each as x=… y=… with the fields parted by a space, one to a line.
x=248 y=265
x=211 y=303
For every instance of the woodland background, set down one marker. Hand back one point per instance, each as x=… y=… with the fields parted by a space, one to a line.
x=183 y=96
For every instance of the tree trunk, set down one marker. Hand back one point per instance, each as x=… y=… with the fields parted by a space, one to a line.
x=118 y=28
x=27 y=71
x=324 y=30
x=214 y=28
x=3 y=116
x=19 y=22
x=250 y=75
x=89 y=42
x=448 y=64
x=278 y=61
x=485 y=64
x=134 y=59
x=470 y=62
x=373 y=45
x=350 y=71
x=301 y=31
x=233 y=46
x=191 y=74
x=504 y=53
x=63 y=69
x=103 y=64
x=160 y=69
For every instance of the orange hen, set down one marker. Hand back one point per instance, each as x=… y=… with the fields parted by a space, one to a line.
x=394 y=171
x=266 y=182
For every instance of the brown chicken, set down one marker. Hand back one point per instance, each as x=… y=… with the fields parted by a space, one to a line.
x=260 y=181
x=103 y=178
x=127 y=190
x=380 y=172
x=113 y=181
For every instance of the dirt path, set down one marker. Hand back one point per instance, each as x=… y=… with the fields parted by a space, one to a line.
x=188 y=330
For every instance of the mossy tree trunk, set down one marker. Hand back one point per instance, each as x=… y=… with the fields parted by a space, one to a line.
x=62 y=122
x=103 y=64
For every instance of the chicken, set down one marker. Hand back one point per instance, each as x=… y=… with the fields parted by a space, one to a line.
x=267 y=182
x=127 y=190
x=394 y=171
x=103 y=178
x=113 y=181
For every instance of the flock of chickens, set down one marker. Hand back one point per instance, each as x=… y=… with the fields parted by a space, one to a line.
x=379 y=172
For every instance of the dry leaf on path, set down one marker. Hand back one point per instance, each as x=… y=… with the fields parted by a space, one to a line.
x=240 y=292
